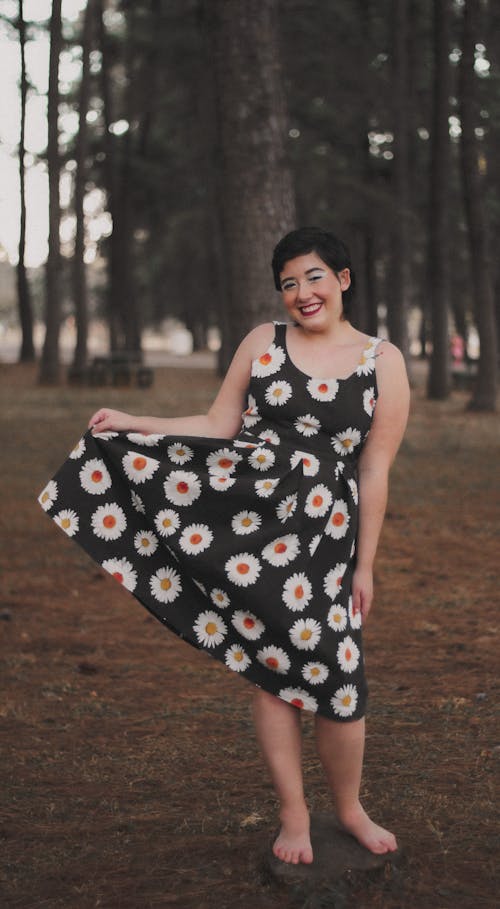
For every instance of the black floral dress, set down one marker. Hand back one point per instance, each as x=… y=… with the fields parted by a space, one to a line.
x=246 y=547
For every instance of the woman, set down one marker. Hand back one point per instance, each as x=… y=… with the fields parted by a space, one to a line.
x=241 y=530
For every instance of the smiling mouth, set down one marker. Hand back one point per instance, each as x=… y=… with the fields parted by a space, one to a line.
x=311 y=309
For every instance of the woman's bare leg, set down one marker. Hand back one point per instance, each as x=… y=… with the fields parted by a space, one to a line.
x=340 y=747
x=279 y=734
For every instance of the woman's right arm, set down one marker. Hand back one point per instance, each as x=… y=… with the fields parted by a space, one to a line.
x=223 y=419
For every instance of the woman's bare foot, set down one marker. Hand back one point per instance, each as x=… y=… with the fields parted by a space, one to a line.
x=293 y=843
x=375 y=838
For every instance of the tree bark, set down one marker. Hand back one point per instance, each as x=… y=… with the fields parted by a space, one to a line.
x=484 y=396
x=50 y=363
x=254 y=184
x=438 y=250
x=79 y=269
x=397 y=315
x=27 y=351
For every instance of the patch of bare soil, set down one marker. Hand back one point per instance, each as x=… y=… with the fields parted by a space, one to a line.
x=130 y=775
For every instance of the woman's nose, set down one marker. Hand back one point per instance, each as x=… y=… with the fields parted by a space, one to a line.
x=304 y=290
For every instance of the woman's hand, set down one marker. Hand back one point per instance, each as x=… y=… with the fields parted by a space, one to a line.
x=362 y=591
x=106 y=419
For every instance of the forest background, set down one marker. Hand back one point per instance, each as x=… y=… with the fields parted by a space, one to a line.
x=192 y=133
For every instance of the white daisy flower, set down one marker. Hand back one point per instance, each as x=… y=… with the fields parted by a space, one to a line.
x=261 y=458
x=167 y=522
x=139 y=467
x=222 y=461
x=265 y=488
x=105 y=436
x=297 y=591
x=122 y=571
x=305 y=634
x=323 y=389
x=345 y=442
x=182 y=487
x=179 y=453
x=109 y=521
x=348 y=654
x=247 y=624
x=333 y=580
x=345 y=700
x=137 y=502
x=243 y=569
x=237 y=659
x=307 y=425
x=241 y=443
x=94 y=477
x=195 y=538
x=145 y=438
x=270 y=436
x=310 y=463
x=337 y=617
x=210 y=629
x=274 y=658
x=78 y=450
x=318 y=501
x=313 y=545
x=146 y=542
x=251 y=415
x=219 y=598
x=299 y=698
x=221 y=483
x=338 y=521
x=355 y=620
x=67 y=521
x=315 y=673
x=369 y=400
x=48 y=495
x=367 y=363
x=282 y=550
x=269 y=362
x=353 y=486
x=278 y=393
x=246 y=522
x=165 y=585
x=286 y=507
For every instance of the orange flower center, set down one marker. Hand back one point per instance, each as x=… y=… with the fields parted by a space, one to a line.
x=248 y=622
x=165 y=584
x=225 y=462
x=338 y=519
x=242 y=568
x=280 y=547
x=210 y=628
x=272 y=662
x=182 y=487
x=195 y=538
x=317 y=501
x=348 y=654
x=96 y=476
x=297 y=702
x=299 y=592
x=118 y=575
x=323 y=387
x=265 y=359
x=139 y=463
x=109 y=521
x=306 y=461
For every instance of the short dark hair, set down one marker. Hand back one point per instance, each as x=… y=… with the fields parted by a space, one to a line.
x=327 y=246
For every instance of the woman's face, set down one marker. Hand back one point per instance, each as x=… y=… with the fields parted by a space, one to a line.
x=312 y=292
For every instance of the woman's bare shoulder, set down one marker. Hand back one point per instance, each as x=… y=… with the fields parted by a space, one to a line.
x=258 y=339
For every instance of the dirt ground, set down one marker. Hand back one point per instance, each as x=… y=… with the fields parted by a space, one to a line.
x=130 y=775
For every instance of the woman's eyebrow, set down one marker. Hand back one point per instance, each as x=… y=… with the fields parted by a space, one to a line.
x=307 y=272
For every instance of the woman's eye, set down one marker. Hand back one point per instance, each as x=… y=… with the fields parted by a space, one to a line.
x=315 y=278
x=289 y=285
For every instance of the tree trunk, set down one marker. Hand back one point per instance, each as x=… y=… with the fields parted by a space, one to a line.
x=50 y=363
x=438 y=251
x=397 y=315
x=484 y=396
x=255 y=187
x=27 y=351
x=79 y=271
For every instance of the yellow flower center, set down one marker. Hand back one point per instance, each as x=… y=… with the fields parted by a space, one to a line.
x=346 y=700
x=65 y=523
x=238 y=655
x=247 y=522
x=45 y=497
x=165 y=584
x=210 y=628
x=306 y=634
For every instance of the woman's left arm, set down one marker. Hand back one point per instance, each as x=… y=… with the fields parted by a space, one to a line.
x=387 y=429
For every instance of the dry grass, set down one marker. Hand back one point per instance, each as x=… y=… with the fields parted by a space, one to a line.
x=131 y=779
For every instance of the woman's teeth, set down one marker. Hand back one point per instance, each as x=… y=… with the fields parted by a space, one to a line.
x=311 y=309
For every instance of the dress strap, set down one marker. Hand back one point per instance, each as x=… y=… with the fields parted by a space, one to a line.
x=280 y=334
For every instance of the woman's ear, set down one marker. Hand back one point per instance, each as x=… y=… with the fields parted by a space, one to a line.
x=344 y=277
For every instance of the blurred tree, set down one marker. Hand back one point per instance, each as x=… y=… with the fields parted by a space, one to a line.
x=255 y=190
x=50 y=364
x=473 y=172
x=81 y=150
x=27 y=351
x=439 y=229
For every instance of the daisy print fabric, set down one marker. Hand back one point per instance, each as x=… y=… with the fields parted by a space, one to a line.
x=243 y=547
